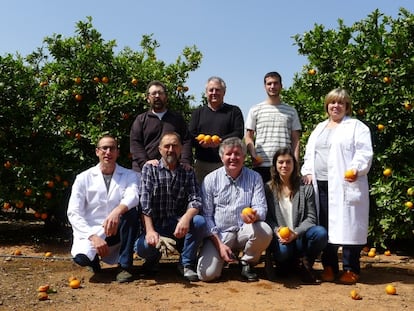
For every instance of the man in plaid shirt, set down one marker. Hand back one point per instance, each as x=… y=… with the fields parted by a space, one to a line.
x=170 y=201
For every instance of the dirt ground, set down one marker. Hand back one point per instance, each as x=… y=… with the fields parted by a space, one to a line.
x=22 y=275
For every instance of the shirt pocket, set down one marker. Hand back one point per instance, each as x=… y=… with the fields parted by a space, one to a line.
x=352 y=193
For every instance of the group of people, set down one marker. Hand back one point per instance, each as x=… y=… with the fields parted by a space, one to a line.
x=215 y=210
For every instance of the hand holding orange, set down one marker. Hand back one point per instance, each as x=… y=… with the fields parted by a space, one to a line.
x=350 y=174
x=284 y=232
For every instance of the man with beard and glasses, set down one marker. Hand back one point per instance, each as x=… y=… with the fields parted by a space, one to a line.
x=148 y=127
x=171 y=202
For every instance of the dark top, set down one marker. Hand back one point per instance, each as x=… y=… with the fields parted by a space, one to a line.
x=224 y=122
x=146 y=133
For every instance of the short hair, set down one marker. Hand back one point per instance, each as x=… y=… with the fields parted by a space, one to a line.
x=219 y=80
x=272 y=74
x=107 y=136
x=157 y=83
x=170 y=134
x=232 y=142
x=339 y=95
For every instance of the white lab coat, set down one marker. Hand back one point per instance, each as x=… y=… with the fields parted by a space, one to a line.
x=351 y=147
x=90 y=204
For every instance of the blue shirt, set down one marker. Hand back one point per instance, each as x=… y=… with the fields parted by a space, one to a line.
x=167 y=194
x=224 y=198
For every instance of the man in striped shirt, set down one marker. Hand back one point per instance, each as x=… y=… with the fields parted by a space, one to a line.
x=226 y=192
x=271 y=125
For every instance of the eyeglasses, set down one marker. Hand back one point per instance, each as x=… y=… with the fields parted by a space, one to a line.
x=154 y=94
x=106 y=148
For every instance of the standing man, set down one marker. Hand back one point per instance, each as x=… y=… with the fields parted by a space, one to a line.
x=102 y=212
x=148 y=127
x=170 y=202
x=271 y=125
x=226 y=192
x=215 y=118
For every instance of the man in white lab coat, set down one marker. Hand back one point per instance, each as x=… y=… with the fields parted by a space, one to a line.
x=103 y=212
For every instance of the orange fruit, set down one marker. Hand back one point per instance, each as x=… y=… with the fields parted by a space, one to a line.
x=7 y=164
x=77 y=80
x=19 y=204
x=410 y=191
x=78 y=97
x=408 y=106
x=380 y=127
x=387 y=172
x=43 y=288
x=42 y=296
x=37 y=215
x=200 y=137
x=390 y=289
x=387 y=80
x=43 y=83
x=134 y=81
x=312 y=72
x=371 y=254
x=48 y=254
x=354 y=295
x=78 y=136
x=284 y=232
x=387 y=253
x=6 y=205
x=215 y=139
x=28 y=192
x=43 y=216
x=247 y=211
x=96 y=80
x=207 y=139
x=17 y=252
x=74 y=284
x=185 y=88
x=105 y=79
x=50 y=183
x=408 y=204
x=48 y=195
x=349 y=174
x=71 y=278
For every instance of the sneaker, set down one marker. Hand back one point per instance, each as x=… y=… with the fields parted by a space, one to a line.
x=248 y=273
x=349 y=278
x=124 y=276
x=328 y=274
x=190 y=274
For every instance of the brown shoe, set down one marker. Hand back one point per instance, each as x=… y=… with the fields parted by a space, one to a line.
x=349 y=278
x=328 y=274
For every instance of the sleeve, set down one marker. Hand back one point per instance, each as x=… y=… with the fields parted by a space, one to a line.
x=146 y=186
x=207 y=194
x=130 y=197
x=259 y=198
x=270 y=216
x=194 y=198
x=77 y=210
x=237 y=122
x=307 y=204
x=362 y=158
x=296 y=126
x=193 y=126
x=187 y=151
x=251 y=120
x=137 y=148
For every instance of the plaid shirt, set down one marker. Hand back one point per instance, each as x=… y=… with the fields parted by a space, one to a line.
x=167 y=194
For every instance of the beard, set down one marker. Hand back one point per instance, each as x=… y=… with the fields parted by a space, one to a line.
x=171 y=159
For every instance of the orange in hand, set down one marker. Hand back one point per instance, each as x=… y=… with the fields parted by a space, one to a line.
x=207 y=139
x=350 y=174
x=248 y=211
x=215 y=139
x=200 y=137
x=284 y=232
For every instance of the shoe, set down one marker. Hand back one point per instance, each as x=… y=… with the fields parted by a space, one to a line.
x=152 y=267
x=190 y=274
x=328 y=274
x=124 y=276
x=248 y=273
x=349 y=278
x=307 y=274
x=270 y=267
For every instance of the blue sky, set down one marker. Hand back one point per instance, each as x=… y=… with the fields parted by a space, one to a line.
x=240 y=40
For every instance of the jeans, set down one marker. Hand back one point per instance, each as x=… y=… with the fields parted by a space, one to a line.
x=309 y=245
x=187 y=246
x=350 y=257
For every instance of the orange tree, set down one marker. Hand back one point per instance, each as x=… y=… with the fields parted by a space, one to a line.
x=62 y=97
x=373 y=59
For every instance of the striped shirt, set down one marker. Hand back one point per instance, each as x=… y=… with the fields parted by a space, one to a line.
x=273 y=125
x=166 y=194
x=224 y=199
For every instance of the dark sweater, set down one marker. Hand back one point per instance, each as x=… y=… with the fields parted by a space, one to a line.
x=224 y=122
x=146 y=133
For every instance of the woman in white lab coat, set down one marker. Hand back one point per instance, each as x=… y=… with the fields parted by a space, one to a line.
x=337 y=160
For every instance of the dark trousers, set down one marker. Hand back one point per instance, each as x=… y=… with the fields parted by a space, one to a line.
x=264 y=172
x=350 y=253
